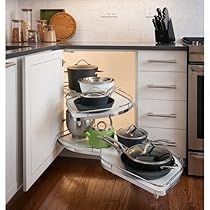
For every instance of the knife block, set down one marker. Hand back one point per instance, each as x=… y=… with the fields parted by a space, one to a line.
x=165 y=36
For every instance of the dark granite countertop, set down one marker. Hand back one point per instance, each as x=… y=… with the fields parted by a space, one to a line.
x=29 y=48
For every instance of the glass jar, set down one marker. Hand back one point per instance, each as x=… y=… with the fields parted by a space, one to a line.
x=17 y=35
x=27 y=23
x=41 y=28
x=33 y=36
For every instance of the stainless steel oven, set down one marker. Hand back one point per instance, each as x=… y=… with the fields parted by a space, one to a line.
x=195 y=119
x=195 y=105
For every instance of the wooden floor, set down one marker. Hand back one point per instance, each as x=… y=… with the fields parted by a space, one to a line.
x=81 y=184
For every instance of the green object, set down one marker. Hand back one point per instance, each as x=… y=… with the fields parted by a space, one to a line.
x=46 y=14
x=94 y=141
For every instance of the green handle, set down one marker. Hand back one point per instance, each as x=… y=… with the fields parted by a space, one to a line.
x=87 y=134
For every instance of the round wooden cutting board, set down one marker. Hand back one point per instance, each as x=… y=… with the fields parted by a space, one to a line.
x=64 y=24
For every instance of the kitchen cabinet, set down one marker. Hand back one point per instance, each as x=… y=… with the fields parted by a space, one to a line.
x=13 y=129
x=42 y=112
x=162 y=95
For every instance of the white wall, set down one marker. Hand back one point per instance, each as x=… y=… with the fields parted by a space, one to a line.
x=119 y=65
x=12 y=10
x=130 y=23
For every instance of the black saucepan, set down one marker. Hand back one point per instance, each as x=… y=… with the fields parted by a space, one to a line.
x=131 y=135
x=145 y=160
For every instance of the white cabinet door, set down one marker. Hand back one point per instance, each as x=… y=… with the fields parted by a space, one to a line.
x=11 y=129
x=42 y=112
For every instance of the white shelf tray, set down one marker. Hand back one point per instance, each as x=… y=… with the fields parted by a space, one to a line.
x=110 y=161
x=122 y=104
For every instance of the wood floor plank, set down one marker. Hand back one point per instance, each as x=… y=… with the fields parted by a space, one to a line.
x=81 y=184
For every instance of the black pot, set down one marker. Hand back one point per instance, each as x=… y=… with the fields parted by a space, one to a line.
x=79 y=71
x=145 y=160
x=94 y=99
x=131 y=135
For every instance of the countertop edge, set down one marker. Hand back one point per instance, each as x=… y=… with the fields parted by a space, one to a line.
x=23 y=51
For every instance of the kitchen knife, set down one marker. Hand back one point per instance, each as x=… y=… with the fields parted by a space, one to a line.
x=155 y=24
x=157 y=20
x=166 y=17
x=159 y=12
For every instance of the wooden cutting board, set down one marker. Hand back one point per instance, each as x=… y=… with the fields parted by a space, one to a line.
x=64 y=24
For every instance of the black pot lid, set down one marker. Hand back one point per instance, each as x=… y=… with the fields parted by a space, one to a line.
x=155 y=155
x=86 y=66
x=136 y=134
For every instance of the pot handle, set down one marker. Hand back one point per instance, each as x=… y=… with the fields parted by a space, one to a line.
x=82 y=60
x=120 y=148
x=87 y=134
x=169 y=167
x=131 y=129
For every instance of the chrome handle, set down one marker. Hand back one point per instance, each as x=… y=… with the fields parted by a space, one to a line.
x=161 y=61
x=9 y=64
x=197 y=156
x=169 y=167
x=82 y=60
x=197 y=69
x=162 y=86
x=63 y=62
x=150 y=114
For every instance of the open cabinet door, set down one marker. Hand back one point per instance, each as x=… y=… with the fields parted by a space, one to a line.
x=42 y=112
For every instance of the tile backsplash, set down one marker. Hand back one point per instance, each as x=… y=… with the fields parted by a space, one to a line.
x=119 y=20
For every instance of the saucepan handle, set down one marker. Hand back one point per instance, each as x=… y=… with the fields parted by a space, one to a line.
x=169 y=167
x=120 y=148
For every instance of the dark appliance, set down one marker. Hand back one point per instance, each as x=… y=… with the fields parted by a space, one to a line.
x=195 y=105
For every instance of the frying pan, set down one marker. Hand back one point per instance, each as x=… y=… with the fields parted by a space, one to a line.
x=145 y=160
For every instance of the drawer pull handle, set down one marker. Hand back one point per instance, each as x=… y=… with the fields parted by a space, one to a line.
x=162 y=86
x=150 y=114
x=198 y=157
x=9 y=64
x=161 y=61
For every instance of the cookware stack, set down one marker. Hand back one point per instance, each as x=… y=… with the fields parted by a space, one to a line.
x=164 y=32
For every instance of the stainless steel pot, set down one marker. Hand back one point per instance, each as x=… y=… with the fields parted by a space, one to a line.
x=77 y=128
x=90 y=84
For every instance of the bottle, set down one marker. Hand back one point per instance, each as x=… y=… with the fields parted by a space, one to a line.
x=17 y=35
x=41 y=28
x=33 y=36
x=26 y=23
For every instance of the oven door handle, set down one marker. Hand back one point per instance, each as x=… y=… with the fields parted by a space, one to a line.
x=197 y=69
x=197 y=156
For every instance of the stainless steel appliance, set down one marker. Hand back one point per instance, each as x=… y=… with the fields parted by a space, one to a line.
x=195 y=105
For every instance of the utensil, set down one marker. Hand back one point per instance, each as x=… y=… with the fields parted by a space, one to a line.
x=131 y=135
x=96 y=98
x=65 y=25
x=77 y=127
x=159 y=12
x=49 y=33
x=94 y=108
x=165 y=17
x=148 y=165
x=101 y=83
x=78 y=71
x=100 y=129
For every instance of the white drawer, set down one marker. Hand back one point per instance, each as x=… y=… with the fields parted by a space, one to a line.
x=162 y=114
x=177 y=136
x=162 y=60
x=162 y=85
